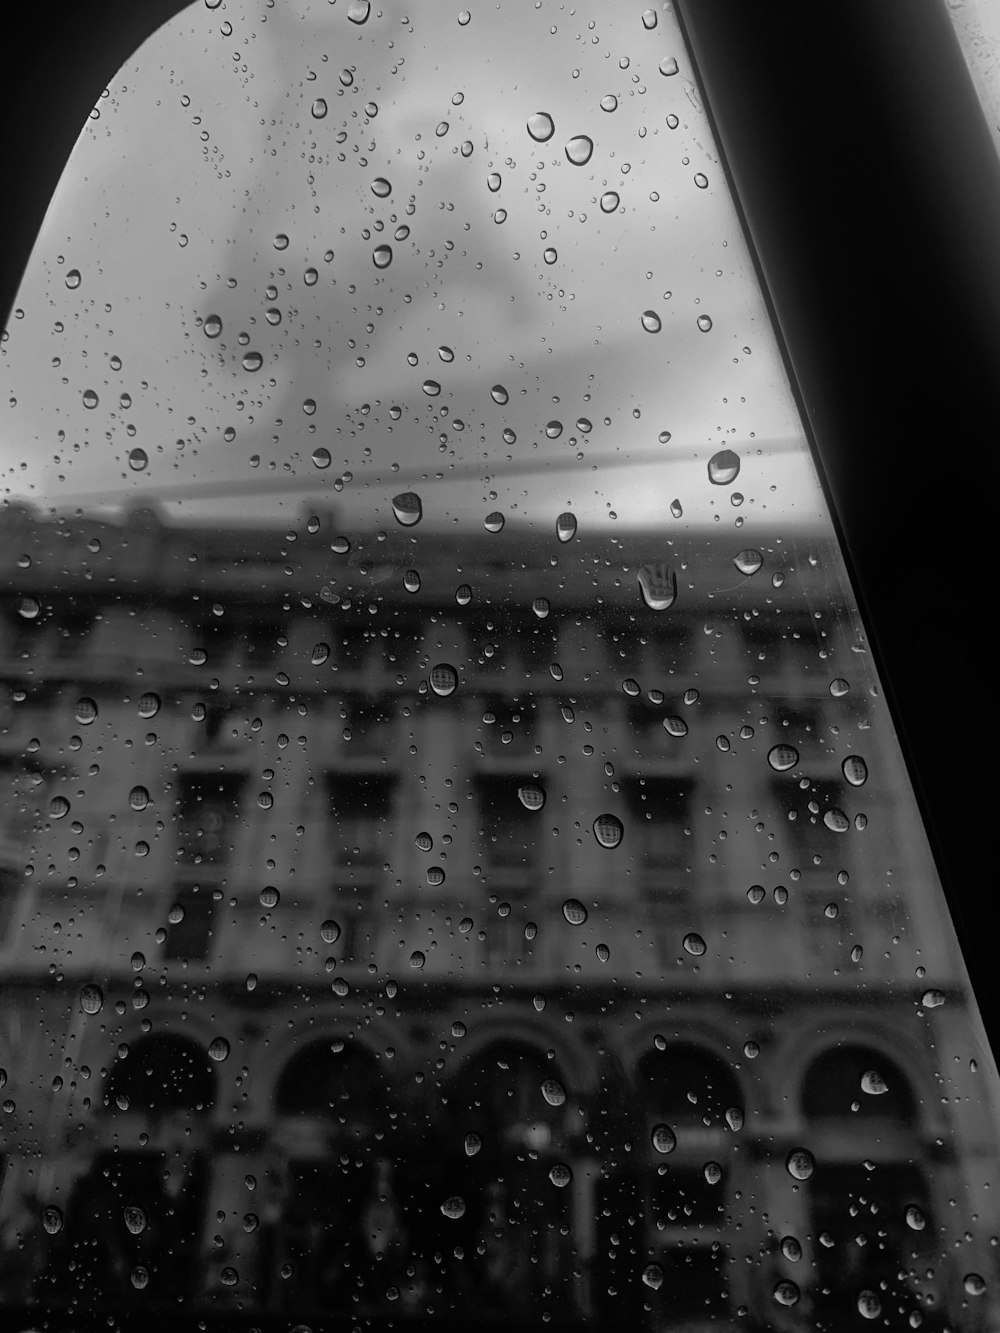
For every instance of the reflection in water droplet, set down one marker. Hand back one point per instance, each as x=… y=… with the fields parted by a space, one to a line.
x=560 y=1175
x=135 y=1220
x=541 y=126
x=786 y=1293
x=579 y=149
x=463 y=594
x=431 y=388
x=91 y=999
x=723 y=467
x=472 y=1144
x=603 y=953
x=52 y=1220
x=212 y=326
x=713 y=1172
x=218 y=1050
x=321 y=458
x=382 y=256
x=140 y=1277
x=252 y=361
x=494 y=181
x=694 y=944
x=800 y=1163
x=494 y=522
x=320 y=653
x=553 y=1092
x=411 y=580
x=652 y=1276
x=407 y=508
x=869 y=1305
x=444 y=679
x=839 y=687
x=663 y=1139
x=319 y=108
x=748 y=561
x=381 y=187
x=454 y=1207
x=915 y=1218
x=358 y=10
x=499 y=394
x=550 y=255
x=608 y=830
x=873 y=1083
x=836 y=821
x=73 y=279
x=138 y=798
x=566 y=527
x=90 y=398
x=329 y=931
x=59 y=807
x=553 y=429
x=782 y=757
x=675 y=726
x=734 y=1118
x=574 y=911
x=651 y=321
x=540 y=606
x=855 y=770
x=974 y=1284
x=149 y=705
x=417 y=960
x=704 y=323
x=658 y=584
x=631 y=687
x=932 y=999
x=531 y=796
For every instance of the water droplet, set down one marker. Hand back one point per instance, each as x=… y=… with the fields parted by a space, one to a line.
x=839 y=687
x=675 y=726
x=791 y=1249
x=869 y=1305
x=138 y=798
x=149 y=705
x=444 y=679
x=782 y=757
x=329 y=931
x=651 y=321
x=974 y=1284
x=609 y=201
x=252 y=361
x=417 y=959
x=435 y=875
x=574 y=911
x=608 y=830
x=560 y=1175
x=873 y=1083
x=855 y=770
x=381 y=187
x=541 y=126
x=701 y=180
x=454 y=1207
x=90 y=398
x=29 y=608
x=723 y=467
x=175 y=915
x=463 y=594
x=319 y=654
x=786 y=1293
x=73 y=279
x=553 y=429
x=932 y=999
x=755 y=893
x=407 y=508
x=212 y=326
x=472 y=1144
x=550 y=255
x=319 y=108
x=668 y=66
x=652 y=1276
x=269 y=896
x=663 y=1139
x=658 y=584
x=431 y=388
x=91 y=998
x=553 y=1092
x=694 y=944
x=281 y=241
x=566 y=527
x=540 y=606
x=499 y=394
x=579 y=149
x=531 y=796
x=734 y=1118
x=218 y=1049
x=140 y=1277
x=494 y=522
x=135 y=1220
x=382 y=256
x=915 y=1218
x=138 y=460
x=676 y=509
x=603 y=953
x=609 y=102
x=748 y=561
x=58 y=807
x=713 y=1172
x=800 y=1163
x=52 y=1220
x=358 y=10
x=464 y=17
x=836 y=821
x=704 y=323
x=411 y=580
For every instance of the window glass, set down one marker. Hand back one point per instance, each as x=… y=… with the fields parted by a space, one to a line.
x=456 y=861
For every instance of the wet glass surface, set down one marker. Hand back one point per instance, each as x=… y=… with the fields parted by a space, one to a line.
x=457 y=863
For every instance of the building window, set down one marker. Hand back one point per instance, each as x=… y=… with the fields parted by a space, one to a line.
x=660 y=827
x=507 y=829
x=207 y=814
x=360 y=818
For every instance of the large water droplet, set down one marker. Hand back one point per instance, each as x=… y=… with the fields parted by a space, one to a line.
x=704 y=323
x=652 y=1276
x=319 y=654
x=463 y=594
x=675 y=726
x=52 y=1220
x=694 y=944
x=218 y=1050
x=649 y=19
x=873 y=1083
x=59 y=807
x=668 y=66
x=138 y=460
x=494 y=181
x=855 y=770
x=494 y=522
x=663 y=1139
x=836 y=821
x=431 y=388
x=658 y=584
x=411 y=580
x=29 y=608
x=329 y=931
x=869 y=1305
x=454 y=1207
x=139 y=1277
x=734 y=1118
x=932 y=999
x=91 y=998
x=651 y=321
x=319 y=108
x=541 y=126
x=472 y=1144
x=723 y=467
x=499 y=394
x=531 y=796
x=609 y=201
x=541 y=607
x=212 y=326
x=782 y=757
x=553 y=1092
x=382 y=256
x=149 y=705
x=381 y=187
x=407 y=508
x=579 y=149
x=974 y=1284
x=915 y=1218
x=90 y=398
x=358 y=10
x=786 y=1293
x=417 y=960
x=135 y=1220
x=609 y=102
x=574 y=911
x=748 y=561
x=73 y=279
x=713 y=1172
x=608 y=830
x=800 y=1163
x=444 y=679
x=138 y=798
x=566 y=526
x=560 y=1175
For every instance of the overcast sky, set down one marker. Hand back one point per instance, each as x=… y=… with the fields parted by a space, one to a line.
x=213 y=141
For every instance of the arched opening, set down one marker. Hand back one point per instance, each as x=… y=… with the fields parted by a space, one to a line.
x=162 y=1074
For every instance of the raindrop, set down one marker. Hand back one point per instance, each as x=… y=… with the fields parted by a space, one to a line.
x=632 y=688
x=494 y=522
x=701 y=180
x=608 y=830
x=329 y=931
x=932 y=999
x=281 y=241
x=135 y=1220
x=713 y=1172
x=839 y=687
x=411 y=580
x=212 y=326
x=319 y=654
x=651 y=321
x=560 y=1175
x=855 y=770
x=676 y=508
x=435 y=875
x=319 y=108
x=675 y=726
x=73 y=279
x=540 y=606
x=252 y=361
x=90 y=398
x=749 y=561
x=704 y=323
x=663 y=1139
x=609 y=201
x=444 y=679
x=453 y=1207
x=649 y=18
x=463 y=594
x=668 y=65
x=541 y=126
x=915 y=1218
x=791 y=1249
x=574 y=911
x=786 y=1293
x=550 y=255
x=140 y=1277
x=407 y=508
x=723 y=467
x=603 y=953
x=658 y=584
x=531 y=796
x=566 y=527
x=358 y=10
x=579 y=149
x=218 y=1050
x=974 y=1284
x=836 y=821
x=382 y=256
x=138 y=460
x=553 y=1092
x=734 y=1118
x=138 y=798
x=553 y=429
x=269 y=896
x=756 y=893
x=91 y=999
x=58 y=807
x=652 y=1276
x=873 y=1083
x=29 y=608
x=472 y=1144
x=149 y=705
x=493 y=181
x=609 y=102
x=869 y=1305
x=431 y=388
x=52 y=1220
x=694 y=944
x=464 y=17
x=417 y=959
x=381 y=187
x=229 y=1276
x=782 y=757
x=555 y=671
x=499 y=394
x=800 y=1163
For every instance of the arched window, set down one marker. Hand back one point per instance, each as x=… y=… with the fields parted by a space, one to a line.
x=161 y=1074
x=856 y=1081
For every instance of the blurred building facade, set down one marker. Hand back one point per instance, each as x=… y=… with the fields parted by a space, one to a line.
x=333 y=988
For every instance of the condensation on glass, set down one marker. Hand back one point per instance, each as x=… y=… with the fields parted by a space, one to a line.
x=456 y=860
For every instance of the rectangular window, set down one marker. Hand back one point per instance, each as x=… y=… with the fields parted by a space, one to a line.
x=660 y=827
x=507 y=830
x=190 y=936
x=207 y=818
x=360 y=818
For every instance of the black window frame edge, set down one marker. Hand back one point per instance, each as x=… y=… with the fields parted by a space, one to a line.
x=868 y=187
